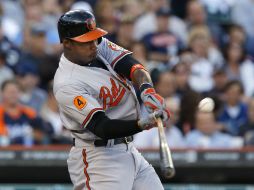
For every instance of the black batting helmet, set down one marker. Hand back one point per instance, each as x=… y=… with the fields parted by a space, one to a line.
x=79 y=25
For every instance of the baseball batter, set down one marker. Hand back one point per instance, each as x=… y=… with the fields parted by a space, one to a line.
x=93 y=86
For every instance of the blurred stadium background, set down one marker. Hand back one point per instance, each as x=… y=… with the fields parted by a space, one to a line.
x=192 y=48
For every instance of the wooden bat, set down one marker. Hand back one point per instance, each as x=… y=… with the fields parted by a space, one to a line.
x=167 y=166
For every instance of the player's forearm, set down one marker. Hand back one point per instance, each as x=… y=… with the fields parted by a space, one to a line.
x=141 y=76
x=106 y=128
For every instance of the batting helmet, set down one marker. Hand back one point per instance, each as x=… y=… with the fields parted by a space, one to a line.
x=80 y=26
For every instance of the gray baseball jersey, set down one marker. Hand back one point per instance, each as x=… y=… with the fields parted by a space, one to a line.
x=81 y=92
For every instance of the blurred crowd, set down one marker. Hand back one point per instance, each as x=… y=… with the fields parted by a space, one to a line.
x=192 y=49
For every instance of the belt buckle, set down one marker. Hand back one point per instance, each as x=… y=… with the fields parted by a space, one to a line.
x=126 y=140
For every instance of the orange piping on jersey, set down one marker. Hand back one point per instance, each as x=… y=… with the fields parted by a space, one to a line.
x=85 y=169
x=91 y=113
x=118 y=58
x=134 y=68
x=3 y=129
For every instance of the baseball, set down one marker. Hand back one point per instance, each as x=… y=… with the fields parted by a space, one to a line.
x=206 y=105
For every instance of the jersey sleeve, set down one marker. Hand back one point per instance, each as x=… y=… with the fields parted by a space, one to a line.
x=112 y=52
x=77 y=104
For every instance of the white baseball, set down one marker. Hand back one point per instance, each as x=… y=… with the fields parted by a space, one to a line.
x=206 y=105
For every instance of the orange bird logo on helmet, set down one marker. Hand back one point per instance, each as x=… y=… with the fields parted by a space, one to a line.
x=90 y=24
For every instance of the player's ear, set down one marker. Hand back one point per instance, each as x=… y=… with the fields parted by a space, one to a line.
x=67 y=43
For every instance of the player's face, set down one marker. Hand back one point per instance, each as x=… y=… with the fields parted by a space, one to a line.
x=83 y=53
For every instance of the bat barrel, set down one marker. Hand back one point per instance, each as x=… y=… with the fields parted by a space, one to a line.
x=167 y=166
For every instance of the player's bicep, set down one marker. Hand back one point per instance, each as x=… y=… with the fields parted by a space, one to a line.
x=79 y=106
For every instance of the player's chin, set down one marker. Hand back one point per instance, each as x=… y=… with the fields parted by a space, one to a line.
x=93 y=56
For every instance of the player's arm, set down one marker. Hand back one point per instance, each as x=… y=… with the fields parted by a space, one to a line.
x=87 y=112
x=122 y=61
x=107 y=128
x=135 y=71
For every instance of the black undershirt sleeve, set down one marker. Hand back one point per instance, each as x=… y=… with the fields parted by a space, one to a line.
x=124 y=65
x=106 y=128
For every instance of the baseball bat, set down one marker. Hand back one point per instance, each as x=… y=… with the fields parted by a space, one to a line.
x=167 y=166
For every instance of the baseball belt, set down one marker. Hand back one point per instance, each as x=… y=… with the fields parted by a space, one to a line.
x=103 y=142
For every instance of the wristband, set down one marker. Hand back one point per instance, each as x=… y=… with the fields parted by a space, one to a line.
x=144 y=86
x=134 y=68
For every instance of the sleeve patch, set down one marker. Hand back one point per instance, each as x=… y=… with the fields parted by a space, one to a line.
x=80 y=102
x=114 y=47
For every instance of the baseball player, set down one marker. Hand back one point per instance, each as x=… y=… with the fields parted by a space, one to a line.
x=94 y=89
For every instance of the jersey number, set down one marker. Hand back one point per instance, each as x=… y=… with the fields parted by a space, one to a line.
x=80 y=102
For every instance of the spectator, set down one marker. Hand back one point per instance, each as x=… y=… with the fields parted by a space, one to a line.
x=19 y=122
x=162 y=45
x=37 y=12
x=197 y=16
x=247 y=129
x=189 y=102
x=164 y=82
x=10 y=24
x=140 y=53
x=203 y=66
x=147 y=22
x=182 y=72
x=149 y=139
x=66 y=5
x=210 y=50
x=234 y=111
x=12 y=53
x=28 y=79
x=236 y=34
x=124 y=34
x=220 y=80
x=5 y=72
x=35 y=46
x=243 y=14
x=188 y=98
x=133 y=7
x=239 y=67
x=50 y=114
x=179 y=7
x=107 y=18
x=207 y=135
x=36 y=54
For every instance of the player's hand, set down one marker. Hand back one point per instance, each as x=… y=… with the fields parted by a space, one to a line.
x=153 y=102
x=149 y=121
